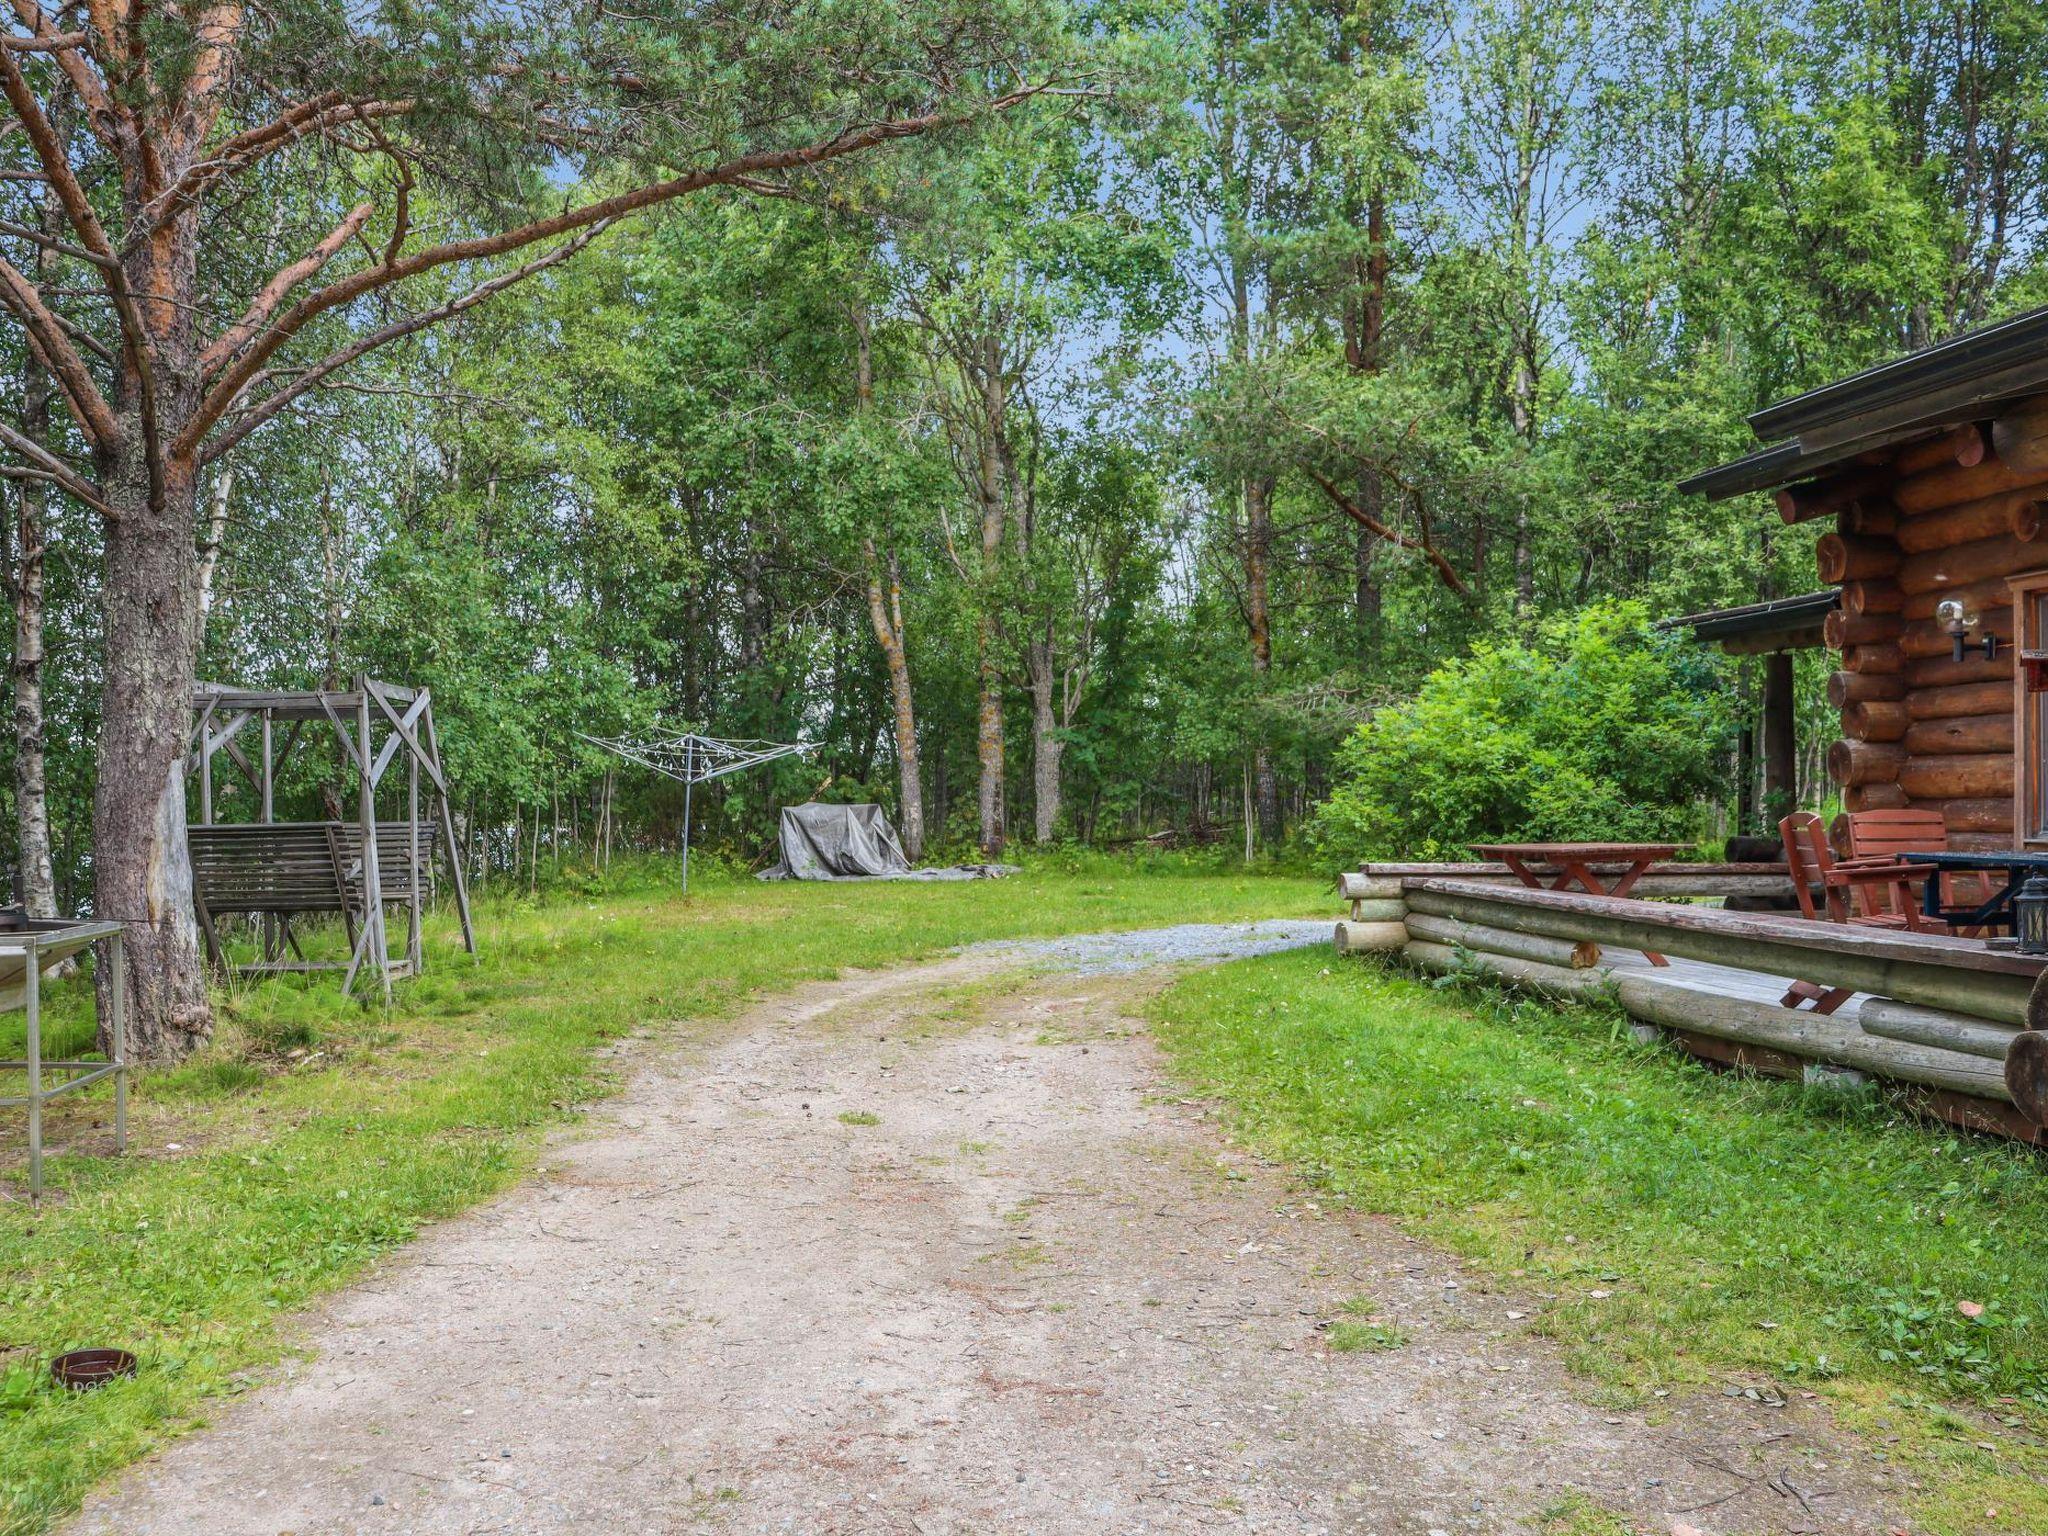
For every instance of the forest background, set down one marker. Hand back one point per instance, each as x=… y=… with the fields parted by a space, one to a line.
x=1297 y=409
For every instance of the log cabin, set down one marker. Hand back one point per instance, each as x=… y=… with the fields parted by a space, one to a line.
x=1929 y=475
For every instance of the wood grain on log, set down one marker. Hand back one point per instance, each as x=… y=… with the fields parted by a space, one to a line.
x=1938 y=1027
x=1379 y=909
x=1873 y=797
x=1960 y=733
x=1864 y=762
x=1370 y=938
x=1935 y=970
x=1961 y=564
x=1958 y=445
x=1844 y=557
x=2015 y=515
x=1817 y=498
x=2020 y=436
x=1959 y=699
x=1358 y=887
x=1968 y=776
x=1884 y=657
x=1943 y=671
x=1984 y=815
x=1926 y=637
x=1991 y=592
x=1874 y=596
x=1952 y=485
x=2026 y=1075
x=1574 y=955
x=1846 y=688
x=1870 y=515
x=1842 y=629
x=1876 y=720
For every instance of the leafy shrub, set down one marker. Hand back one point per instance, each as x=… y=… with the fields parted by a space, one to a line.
x=1598 y=729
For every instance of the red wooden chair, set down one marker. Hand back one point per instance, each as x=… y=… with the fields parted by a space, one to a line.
x=1865 y=891
x=1899 y=834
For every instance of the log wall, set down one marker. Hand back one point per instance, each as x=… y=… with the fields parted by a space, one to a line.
x=1950 y=516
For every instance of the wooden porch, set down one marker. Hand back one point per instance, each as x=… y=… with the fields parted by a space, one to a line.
x=1936 y=1014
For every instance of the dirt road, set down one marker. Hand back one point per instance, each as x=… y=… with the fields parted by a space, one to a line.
x=930 y=1252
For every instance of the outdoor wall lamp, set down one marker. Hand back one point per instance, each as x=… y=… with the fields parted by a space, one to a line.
x=1959 y=618
x=2030 y=916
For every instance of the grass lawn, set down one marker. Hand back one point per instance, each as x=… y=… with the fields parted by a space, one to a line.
x=316 y=1135
x=1686 y=1227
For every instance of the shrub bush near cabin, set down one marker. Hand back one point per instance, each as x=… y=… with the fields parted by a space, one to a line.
x=1597 y=728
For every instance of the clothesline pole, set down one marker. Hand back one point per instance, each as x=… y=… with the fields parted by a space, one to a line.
x=689 y=784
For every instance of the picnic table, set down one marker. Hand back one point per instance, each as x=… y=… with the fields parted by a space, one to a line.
x=1560 y=866
x=1995 y=910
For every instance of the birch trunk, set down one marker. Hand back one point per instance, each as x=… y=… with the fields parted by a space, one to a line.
x=1046 y=744
x=1258 y=566
x=31 y=790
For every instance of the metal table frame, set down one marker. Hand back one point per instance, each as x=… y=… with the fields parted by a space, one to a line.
x=45 y=941
x=2018 y=864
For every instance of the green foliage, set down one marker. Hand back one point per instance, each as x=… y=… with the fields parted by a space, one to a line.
x=1597 y=730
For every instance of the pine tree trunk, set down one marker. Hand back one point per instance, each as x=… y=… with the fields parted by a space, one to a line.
x=141 y=868
x=885 y=612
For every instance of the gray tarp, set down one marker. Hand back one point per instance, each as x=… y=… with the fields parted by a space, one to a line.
x=852 y=842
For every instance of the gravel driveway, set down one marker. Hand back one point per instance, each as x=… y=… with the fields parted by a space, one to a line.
x=937 y=1251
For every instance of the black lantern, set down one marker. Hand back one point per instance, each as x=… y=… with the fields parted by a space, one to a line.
x=2030 y=916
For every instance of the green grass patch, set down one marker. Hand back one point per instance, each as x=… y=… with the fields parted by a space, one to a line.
x=1685 y=1226
x=315 y=1135
x=859 y=1117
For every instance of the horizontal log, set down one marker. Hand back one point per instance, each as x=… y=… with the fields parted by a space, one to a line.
x=1925 y=637
x=1873 y=797
x=1843 y=629
x=1864 y=762
x=2026 y=1075
x=1951 y=485
x=1379 y=909
x=1965 y=776
x=1959 y=565
x=1846 y=688
x=1844 y=557
x=1963 y=445
x=1817 y=498
x=1993 y=814
x=1665 y=878
x=1878 y=595
x=1876 y=720
x=1979 y=842
x=1370 y=938
x=1991 y=592
x=1960 y=733
x=1574 y=955
x=2015 y=515
x=1937 y=970
x=2020 y=436
x=1959 y=699
x=1943 y=671
x=1939 y=1027
x=1357 y=887
x=1675 y=1005
x=1872 y=516
x=1884 y=659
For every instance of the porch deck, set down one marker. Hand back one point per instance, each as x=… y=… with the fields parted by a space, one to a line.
x=1935 y=1012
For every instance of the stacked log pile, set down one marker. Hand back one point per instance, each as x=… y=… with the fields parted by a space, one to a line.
x=1965 y=1063
x=1956 y=516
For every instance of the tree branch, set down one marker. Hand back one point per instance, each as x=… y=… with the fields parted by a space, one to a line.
x=406 y=325
x=328 y=110
x=47 y=464
x=46 y=334
x=220 y=398
x=1446 y=572
x=274 y=292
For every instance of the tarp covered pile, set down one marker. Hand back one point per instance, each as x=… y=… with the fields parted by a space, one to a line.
x=853 y=842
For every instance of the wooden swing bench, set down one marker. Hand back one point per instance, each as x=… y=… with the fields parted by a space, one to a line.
x=286 y=870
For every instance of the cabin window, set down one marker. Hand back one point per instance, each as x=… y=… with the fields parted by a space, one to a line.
x=2030 y=706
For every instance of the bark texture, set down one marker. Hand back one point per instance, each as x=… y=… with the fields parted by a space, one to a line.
x=885 y=613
